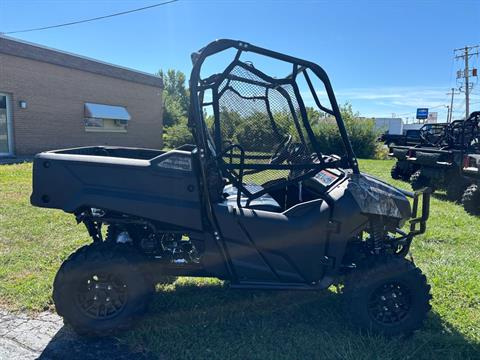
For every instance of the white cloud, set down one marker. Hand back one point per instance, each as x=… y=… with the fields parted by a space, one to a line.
x=383 y=101
x=403 y=93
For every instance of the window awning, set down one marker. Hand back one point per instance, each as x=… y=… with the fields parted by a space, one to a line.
x=102 y=111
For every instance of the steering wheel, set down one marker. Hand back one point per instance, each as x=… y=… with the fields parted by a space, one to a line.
x=282 y=151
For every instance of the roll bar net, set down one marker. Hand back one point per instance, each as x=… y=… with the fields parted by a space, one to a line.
x=268 y=111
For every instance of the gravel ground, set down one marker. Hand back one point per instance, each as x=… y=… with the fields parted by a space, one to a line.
x=45 y=337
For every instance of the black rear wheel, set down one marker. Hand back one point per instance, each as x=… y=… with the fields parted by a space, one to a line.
x=100 y=289
x=455 y=188
x=391 y=297
x=471 y=200
x=396 y=172
x=419 y=181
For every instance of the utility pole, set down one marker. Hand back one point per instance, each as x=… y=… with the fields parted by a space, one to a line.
x=467 y=52
x=450 y=108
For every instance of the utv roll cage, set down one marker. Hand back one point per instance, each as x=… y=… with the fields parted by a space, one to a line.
x=241 y=83
x=464 y=134
x=457 y=135
x=433 y=134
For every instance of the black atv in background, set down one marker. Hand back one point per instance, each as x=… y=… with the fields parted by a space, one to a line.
x=256 y=201
x=471 y=196
x=438 y=161
x=431 y=136
x=441 y=167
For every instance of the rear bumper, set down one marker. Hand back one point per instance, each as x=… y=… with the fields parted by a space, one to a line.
x=471 y=170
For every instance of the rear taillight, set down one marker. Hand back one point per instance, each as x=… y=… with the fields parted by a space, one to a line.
x=466 y=161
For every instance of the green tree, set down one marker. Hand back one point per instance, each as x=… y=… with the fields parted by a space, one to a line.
x=230 y=121
x=176 y=97
x=361 y=132
x=313 y=115
x=177 y=134
x=255 y=133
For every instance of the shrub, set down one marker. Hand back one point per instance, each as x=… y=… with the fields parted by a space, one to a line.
x=381 y=152
x=255 y=132
x=177 y=135
x=362 y=133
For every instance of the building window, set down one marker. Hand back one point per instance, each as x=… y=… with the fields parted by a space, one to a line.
x=107 y=118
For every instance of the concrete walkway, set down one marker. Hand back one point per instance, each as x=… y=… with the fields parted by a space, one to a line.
x=45 y=337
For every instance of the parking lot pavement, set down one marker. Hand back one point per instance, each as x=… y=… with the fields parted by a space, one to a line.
x=45 y=337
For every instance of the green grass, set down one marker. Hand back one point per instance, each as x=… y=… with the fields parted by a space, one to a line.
x=202 y=318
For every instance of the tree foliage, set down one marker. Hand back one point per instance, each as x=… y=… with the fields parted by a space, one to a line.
x=361 y=131
x=255 y=131
x=176 y=97
x=177 y=134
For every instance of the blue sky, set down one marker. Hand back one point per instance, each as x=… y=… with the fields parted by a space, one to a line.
x=383 y=57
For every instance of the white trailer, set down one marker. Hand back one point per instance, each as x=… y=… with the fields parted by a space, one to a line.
x=392 y=126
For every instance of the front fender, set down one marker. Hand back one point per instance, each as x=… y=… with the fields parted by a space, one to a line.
x=375 y=197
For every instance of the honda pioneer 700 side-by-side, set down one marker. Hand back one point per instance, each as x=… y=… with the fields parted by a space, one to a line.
x=257 y=201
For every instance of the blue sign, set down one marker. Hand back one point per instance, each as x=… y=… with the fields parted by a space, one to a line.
x=422 y=113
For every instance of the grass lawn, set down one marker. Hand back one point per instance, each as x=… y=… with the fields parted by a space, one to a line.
x=201 y=318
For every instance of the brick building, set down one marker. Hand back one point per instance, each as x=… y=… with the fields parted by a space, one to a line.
x=50 y=99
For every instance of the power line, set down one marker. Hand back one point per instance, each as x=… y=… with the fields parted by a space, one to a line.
x=460 y=108
x=88 y=20
x=452 y=93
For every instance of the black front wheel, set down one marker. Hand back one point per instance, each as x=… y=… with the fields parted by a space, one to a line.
x=100 y=289
x=391 y=297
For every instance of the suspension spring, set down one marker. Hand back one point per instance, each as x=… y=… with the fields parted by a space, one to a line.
x=377 y=234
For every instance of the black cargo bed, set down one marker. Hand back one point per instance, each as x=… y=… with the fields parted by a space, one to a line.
x=153 y=184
